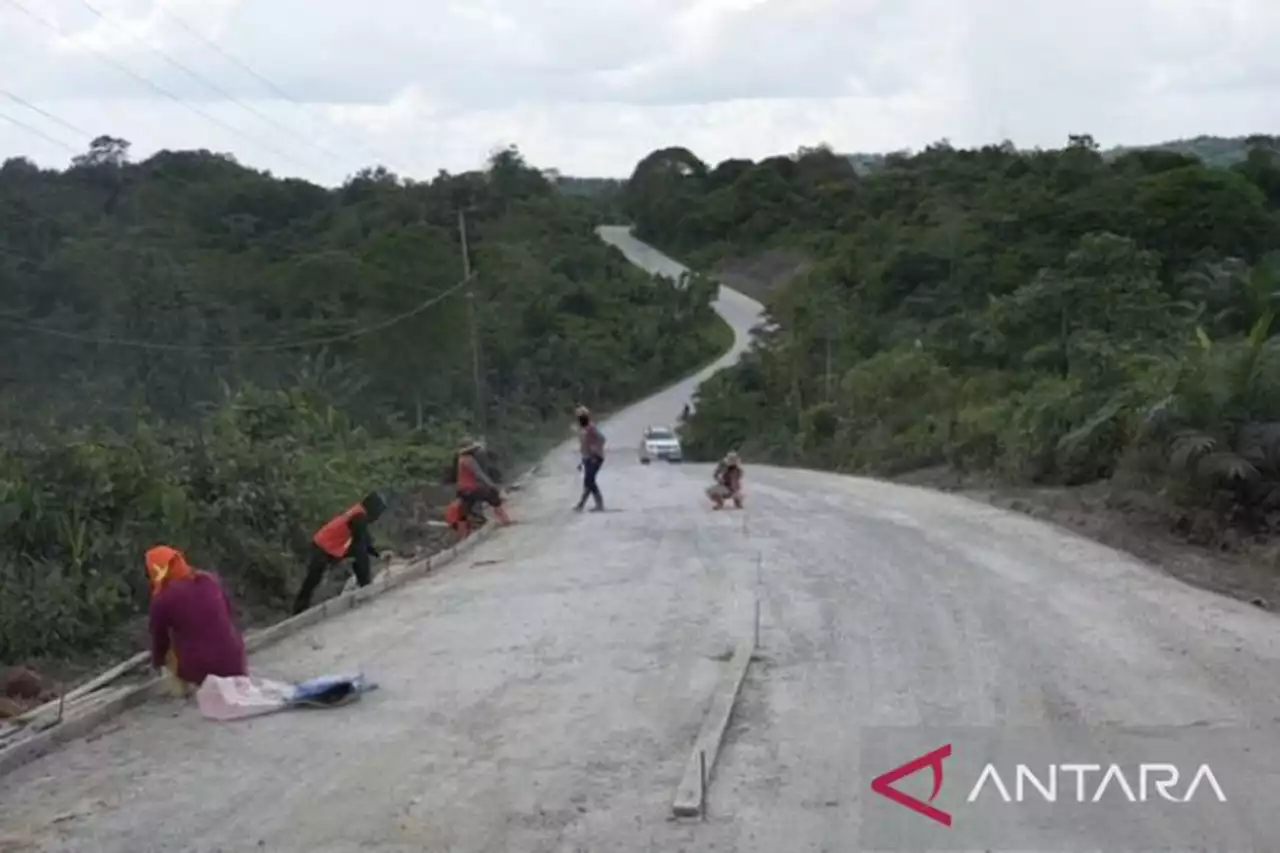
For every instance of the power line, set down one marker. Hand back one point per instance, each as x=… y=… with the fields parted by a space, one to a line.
x=244 y=66
x=38 y=132
x=201 y=79
x=24 y=102
x=16 y=321
x=44 y=22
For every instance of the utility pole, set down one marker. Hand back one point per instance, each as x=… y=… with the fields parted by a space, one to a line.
x=826 y=374
x=471 y=316
x=832 y=325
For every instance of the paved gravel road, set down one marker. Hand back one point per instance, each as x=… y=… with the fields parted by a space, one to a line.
x=542 y=694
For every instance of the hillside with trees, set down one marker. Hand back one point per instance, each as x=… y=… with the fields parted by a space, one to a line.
x=200 y=354
x=1050 y=317
x=1210 y=150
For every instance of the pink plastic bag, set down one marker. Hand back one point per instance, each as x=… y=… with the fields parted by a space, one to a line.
x=241 y=696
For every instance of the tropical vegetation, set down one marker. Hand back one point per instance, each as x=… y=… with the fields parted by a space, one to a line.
x=200 y=354
x=1055 y=317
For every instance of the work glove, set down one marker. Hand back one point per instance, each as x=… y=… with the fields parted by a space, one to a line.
x=173 y=686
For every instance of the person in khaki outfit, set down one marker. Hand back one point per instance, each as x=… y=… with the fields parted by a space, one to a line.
x=728 y=483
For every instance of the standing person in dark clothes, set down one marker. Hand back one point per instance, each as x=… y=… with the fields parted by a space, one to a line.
x=591 y=448
x=192 y=623
x=345 y=535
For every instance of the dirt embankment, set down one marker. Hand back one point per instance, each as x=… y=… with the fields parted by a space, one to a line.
x=1191 y=545
x=759 y=275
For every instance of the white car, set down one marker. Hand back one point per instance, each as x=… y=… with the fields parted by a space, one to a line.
x=660 y=442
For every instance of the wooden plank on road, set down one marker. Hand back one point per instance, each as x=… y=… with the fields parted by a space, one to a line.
x=690 y=797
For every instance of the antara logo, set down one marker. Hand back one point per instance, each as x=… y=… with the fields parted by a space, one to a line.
x=1162 y=776
x=883 y=784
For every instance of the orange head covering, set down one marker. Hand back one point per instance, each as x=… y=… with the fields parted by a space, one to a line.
x=165 y=565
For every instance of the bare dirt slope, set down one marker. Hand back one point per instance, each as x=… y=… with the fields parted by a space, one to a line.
x=760 y=274
x=542 y=695
x=1195 y=546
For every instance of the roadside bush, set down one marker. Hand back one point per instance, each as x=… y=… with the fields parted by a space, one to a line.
x=241 y=492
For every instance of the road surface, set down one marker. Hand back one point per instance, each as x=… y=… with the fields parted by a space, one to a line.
x=542 y=694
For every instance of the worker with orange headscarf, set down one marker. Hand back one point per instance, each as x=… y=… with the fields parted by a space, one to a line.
x=193 y=630
x=345 y=535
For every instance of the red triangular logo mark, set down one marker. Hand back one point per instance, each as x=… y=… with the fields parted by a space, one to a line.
x=882 y=784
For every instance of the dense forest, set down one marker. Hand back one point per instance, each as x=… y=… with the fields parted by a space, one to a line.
x=1211 y=150
x=200 y=354
x=1052 y=317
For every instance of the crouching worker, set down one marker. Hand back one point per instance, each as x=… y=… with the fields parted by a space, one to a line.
x=345 y=535
x=474 y=486
x=728 y=483
x=193 y=630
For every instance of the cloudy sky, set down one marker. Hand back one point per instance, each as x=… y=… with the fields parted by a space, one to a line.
x=319 y=88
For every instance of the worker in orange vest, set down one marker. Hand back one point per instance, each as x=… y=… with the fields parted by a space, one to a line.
x=345 y=535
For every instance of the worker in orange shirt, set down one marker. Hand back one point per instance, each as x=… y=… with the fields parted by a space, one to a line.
x=345 y=535
x=474 y=486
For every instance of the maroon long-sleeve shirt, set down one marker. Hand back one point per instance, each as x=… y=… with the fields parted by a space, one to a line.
x=195 y=615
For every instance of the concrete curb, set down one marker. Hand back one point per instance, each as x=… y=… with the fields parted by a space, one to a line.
x=93 y=709
x=74 y=727
x=690 y=800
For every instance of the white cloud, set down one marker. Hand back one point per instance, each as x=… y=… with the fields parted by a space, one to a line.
x=591 y=87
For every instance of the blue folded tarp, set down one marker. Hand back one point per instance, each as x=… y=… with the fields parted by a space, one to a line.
x=328 y=691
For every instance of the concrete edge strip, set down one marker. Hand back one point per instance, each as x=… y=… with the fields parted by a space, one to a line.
x=690 y=795
x=92 y=709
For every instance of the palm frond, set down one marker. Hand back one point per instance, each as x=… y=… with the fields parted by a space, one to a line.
x=1086 y=432
x=1188 y=447
x=1228 y=466
x=1260 y=444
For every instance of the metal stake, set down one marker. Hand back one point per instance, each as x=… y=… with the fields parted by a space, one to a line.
x=757 y=629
